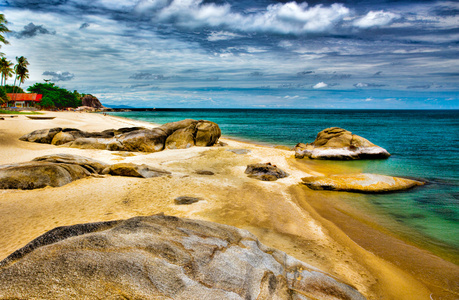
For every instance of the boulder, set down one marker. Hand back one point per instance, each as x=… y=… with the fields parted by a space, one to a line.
x=205 y=172
x=182 y=138
x=176 y=135
x=132 y=170
x=265 y=172
x=97 y=143
x=92 y=165
x=360 y=183
x=35 y=175
x=91 y=101
x=160 y=257
x=207 y=133
x=144 y=140
x=44 y=136
x=185 y=200
x=340 y=144
x=59 y=169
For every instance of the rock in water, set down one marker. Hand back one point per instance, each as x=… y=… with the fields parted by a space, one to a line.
x=265 y=172
x=160 y=257
x=340 y=144
x=360 y=183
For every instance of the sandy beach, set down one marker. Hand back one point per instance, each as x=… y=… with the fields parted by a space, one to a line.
x=312 y=226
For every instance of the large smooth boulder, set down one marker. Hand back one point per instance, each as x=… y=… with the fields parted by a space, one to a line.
x=97 y=143
x=160 y=257
x=35 y=175
x=170 y=128
x=133 y=170
x=91 y=101
x=360 y=183
x=207 y=133
x=182 y=138
x=44 y=136
x=265 y=172
x=340 y=144
x=144 y=140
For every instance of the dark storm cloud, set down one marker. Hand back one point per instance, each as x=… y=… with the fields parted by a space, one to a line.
x=59 y=76
x=32 y=30
x=85 y=25
x=304 y=73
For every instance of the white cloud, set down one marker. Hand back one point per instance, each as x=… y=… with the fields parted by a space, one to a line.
x=222 y=36
x=376 y=18
x=361 y=84
x=320 y=85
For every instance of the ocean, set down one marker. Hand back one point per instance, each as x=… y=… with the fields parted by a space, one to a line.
x=424 y=144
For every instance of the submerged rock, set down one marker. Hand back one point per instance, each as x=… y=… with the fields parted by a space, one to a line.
x=176 y=135
x=160 y=257
x=361 y=183
x=265 y=172
x=340 y=144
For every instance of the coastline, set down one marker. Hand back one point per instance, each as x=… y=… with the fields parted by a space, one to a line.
x=276 y=212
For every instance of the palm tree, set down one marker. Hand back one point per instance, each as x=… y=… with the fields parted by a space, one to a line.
x=22 y=73
x=5 y=70
x=3 y=29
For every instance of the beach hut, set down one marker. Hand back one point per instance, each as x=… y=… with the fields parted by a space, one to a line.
x=24 y=100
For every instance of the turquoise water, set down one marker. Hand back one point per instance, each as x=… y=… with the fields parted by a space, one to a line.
x=423 y=144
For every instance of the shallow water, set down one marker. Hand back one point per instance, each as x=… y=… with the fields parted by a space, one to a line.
x=423 y=144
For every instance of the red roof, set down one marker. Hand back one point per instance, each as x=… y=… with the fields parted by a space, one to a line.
x=25 y=97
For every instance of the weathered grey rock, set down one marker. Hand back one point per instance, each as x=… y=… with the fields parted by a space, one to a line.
x=265 y=172
x=97 y=143
x=59 y=169
x=340 y=144
x=44 y=136
x=92 y=165
x=145 y=140
x=35 y=175
x=176 y=135
x=185 y=200
x=160 y=257
x=360 y=183
x=207 y=133
x=133 y=170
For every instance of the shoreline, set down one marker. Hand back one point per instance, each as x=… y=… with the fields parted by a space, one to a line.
x=278 y=216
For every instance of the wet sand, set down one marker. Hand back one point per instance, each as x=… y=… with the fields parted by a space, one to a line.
x=282 y=214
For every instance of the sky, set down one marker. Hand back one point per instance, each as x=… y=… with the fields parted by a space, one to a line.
x=383 y=54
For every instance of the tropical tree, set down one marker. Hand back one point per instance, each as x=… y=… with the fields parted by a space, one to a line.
x=3 y=29
x=5 y=70
x=22 y=73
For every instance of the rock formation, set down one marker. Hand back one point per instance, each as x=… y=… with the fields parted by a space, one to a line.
x=265 y=172
x=60 y=169
x=91 y=101
x=340 y=144
x=160 y=257
x=176 y=135
x=361 y=183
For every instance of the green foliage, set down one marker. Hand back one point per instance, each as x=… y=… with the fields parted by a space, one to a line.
x=3 y=29
x=47 y=102
x=9 y=89
x=3 y=96
x=59 y=97
x=13 y=112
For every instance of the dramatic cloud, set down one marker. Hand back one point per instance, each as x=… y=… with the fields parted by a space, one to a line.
x=376 y=18
x=32 y=30
x=59 y=76
x=146 y=75
x=320 y=85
